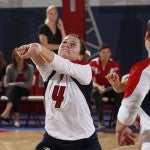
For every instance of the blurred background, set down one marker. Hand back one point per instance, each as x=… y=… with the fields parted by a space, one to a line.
x=121 y=23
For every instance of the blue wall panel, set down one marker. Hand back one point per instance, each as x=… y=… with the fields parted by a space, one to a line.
x=122 y=27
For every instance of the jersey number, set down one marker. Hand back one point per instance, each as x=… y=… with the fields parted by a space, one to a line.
x=57 y=95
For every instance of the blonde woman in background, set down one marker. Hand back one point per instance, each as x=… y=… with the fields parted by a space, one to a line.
x=52 y=31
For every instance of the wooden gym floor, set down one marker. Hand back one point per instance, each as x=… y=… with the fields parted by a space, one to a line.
x=26 y=140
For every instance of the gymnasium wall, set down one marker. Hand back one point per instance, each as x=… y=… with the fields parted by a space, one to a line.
x=123 y=27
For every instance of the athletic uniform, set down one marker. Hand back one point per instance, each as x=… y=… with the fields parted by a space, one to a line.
x=68 y=122
x=136 y=98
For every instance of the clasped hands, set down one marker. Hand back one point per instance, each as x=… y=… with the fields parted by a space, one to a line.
x=28 y=51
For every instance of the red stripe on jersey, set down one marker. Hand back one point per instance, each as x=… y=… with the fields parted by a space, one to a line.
x=81 y=62
x=134 y=77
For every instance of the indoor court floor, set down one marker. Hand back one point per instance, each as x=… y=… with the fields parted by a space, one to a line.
x=28 y=136
x=26 y=140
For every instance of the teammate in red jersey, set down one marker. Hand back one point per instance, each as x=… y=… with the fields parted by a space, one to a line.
x=68 y=87
x=136 y=101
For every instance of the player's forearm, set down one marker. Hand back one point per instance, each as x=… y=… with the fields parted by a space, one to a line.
x=46 y=55
x=119 y=87
x=42 y=56
x=120 y=126
x=38 y=60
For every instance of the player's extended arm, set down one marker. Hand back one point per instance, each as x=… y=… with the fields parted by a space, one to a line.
x=38 y=53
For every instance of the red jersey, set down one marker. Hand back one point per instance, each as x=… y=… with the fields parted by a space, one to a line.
x=99 y=72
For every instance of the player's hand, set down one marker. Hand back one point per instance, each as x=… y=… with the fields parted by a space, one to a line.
x=28 y=51
x=125 y=137
x=112 y=78
x=22 y=50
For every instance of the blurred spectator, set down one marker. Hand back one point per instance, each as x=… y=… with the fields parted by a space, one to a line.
x=101 y=66
x=17 y=82
x=52 y=31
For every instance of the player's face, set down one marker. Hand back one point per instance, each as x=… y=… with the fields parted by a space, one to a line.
x=105 y=54
x=70 y=48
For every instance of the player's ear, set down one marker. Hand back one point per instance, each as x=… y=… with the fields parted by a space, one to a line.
x=80 y=57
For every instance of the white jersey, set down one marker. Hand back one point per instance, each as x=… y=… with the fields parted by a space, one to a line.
x=67 y=114
x=138 y=86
